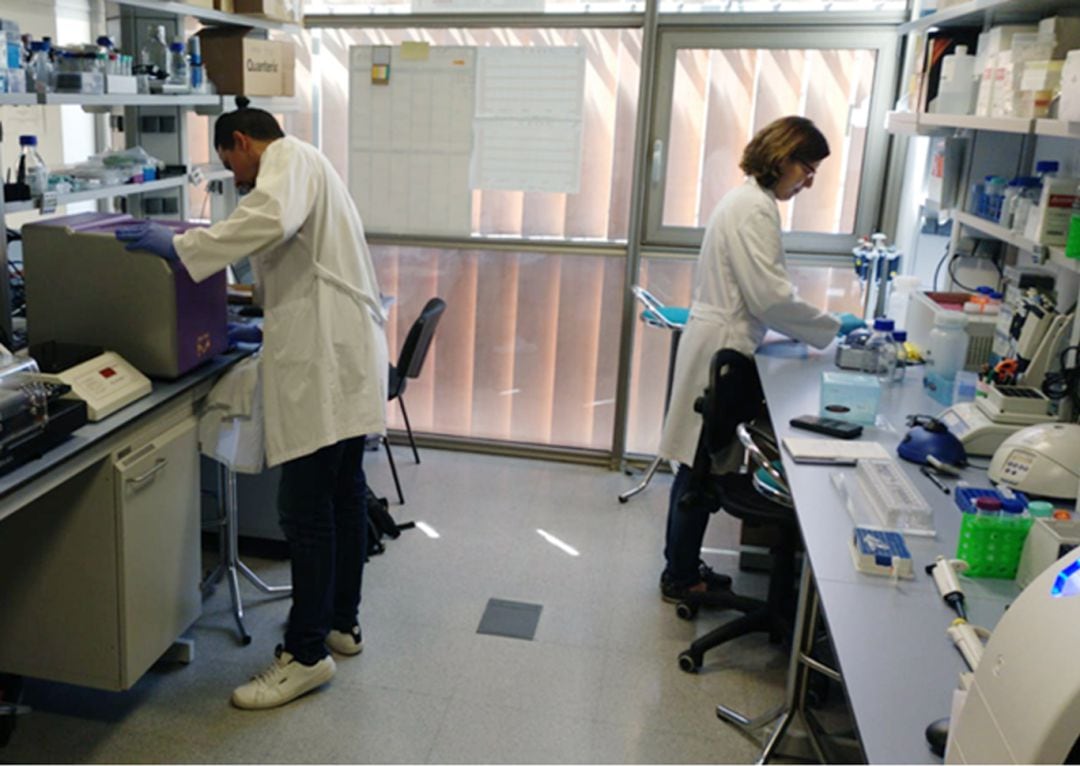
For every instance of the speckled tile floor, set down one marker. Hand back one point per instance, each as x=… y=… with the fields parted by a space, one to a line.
x=599 y=683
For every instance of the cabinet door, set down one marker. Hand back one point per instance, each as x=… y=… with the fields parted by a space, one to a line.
x=157 y=486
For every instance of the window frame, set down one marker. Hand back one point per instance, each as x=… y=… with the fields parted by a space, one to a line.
x=780 y=34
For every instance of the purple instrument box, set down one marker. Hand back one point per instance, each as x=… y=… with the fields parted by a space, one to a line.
x=83 y=286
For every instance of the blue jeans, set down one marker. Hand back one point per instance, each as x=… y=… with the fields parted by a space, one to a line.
x=685 y=533
x=322 y=507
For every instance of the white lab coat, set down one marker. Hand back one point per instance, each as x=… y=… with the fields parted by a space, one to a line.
x=742 y=289
x=324 y=345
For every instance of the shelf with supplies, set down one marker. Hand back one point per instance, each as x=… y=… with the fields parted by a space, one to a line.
x=975 y=12
x=18 y=99
x=926 y=124
x=1050 y=255
x=210 y=16
x=1057 y=128
x=104 y=192
x=272 y=104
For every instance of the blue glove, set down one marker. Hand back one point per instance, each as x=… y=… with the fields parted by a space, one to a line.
x=848 y=322
x=243 y=333
x=149 y=236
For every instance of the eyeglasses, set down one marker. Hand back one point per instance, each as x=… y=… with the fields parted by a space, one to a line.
x=809 y=169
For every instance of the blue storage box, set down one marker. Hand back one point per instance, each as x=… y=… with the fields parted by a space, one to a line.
x=850 y=396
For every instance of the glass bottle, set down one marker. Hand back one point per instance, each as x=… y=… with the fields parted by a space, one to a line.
x=32 y=169
x=178 y=65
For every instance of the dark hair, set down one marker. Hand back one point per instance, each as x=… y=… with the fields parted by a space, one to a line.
x=255 y=123
x=789 y=138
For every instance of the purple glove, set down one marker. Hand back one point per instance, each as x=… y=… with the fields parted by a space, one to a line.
x=149 y=236
x=244 y=333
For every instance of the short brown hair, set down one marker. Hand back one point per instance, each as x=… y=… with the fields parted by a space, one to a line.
x=789 y=138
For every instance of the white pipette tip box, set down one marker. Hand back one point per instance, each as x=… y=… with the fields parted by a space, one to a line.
x=881 y=552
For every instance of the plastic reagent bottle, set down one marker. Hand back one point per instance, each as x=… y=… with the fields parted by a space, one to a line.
x=32 y=169
x=155 y=52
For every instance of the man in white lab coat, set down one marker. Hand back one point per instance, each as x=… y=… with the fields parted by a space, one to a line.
x=324 y=375
x=742 y=289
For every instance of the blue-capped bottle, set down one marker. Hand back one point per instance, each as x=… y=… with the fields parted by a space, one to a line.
x=881 y=351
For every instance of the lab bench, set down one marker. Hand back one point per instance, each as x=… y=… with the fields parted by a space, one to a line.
x=99 y=539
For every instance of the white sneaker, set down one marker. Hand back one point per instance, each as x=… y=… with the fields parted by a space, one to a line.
x=285 y=680
x=346 y=643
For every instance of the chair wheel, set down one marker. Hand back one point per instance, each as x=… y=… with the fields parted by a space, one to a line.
x=623 y=499
x=688 y=663
x=686 y=610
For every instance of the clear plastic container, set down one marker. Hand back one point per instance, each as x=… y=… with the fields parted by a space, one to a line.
x=995 y=197
x=32 y=169
x=903 y=287
x=155 y=51
x=881 y=351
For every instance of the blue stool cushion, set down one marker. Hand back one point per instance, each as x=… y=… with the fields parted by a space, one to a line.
x=677 y=315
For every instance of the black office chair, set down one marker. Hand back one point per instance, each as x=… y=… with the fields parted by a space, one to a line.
x=758 y=498
x=409 y=364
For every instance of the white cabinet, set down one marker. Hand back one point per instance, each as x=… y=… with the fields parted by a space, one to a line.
x=101 y=574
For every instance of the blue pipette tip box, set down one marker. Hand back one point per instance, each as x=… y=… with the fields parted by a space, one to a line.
x=881 y=552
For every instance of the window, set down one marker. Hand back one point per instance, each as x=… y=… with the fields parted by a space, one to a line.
x=600 y=211
x=720 y=88
x=527 y=350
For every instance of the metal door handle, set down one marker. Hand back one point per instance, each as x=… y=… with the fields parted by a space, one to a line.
x=159 y=464
x=657 y=161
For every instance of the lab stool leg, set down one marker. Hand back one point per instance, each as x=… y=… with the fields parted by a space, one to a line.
x=640 y=487
x=800 y=665
x=230 y=566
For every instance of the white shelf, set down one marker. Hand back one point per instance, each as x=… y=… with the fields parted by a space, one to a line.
x=129 y=99
x=1057 y=128
x=902 y=123
x=272 y=104
x=18 y=99
x=1057 y=257
x=974 y=12
x=976 y=122
x=105 y=192
x=998 y=232
x=211 y=16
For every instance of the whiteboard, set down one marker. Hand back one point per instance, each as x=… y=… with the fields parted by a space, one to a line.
x=410 y=139
x=529 y=119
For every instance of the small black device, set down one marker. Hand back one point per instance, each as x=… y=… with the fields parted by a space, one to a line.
x=841 y=429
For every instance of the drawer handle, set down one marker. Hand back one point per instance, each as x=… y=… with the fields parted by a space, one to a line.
x=159 y=464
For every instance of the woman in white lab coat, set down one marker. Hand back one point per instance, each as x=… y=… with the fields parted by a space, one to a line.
x=741 y=290
x=324 y=375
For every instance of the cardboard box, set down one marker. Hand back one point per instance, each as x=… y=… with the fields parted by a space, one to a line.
x=202 y=3
x=1000 y=38
x=246 y=66
x=225 y=6
x=279 y=10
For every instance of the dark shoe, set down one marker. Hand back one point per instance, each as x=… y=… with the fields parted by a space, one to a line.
x=710 y=583
x=713 y=579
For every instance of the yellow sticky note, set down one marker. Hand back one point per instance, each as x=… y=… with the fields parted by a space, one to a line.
x=414 y=51
x=380 y=74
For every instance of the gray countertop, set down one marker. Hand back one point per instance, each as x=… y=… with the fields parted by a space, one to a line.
x=898 y=664
x=15 y=485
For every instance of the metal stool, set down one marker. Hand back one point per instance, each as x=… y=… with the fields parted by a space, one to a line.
x=230 y=564
x=672 y=318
